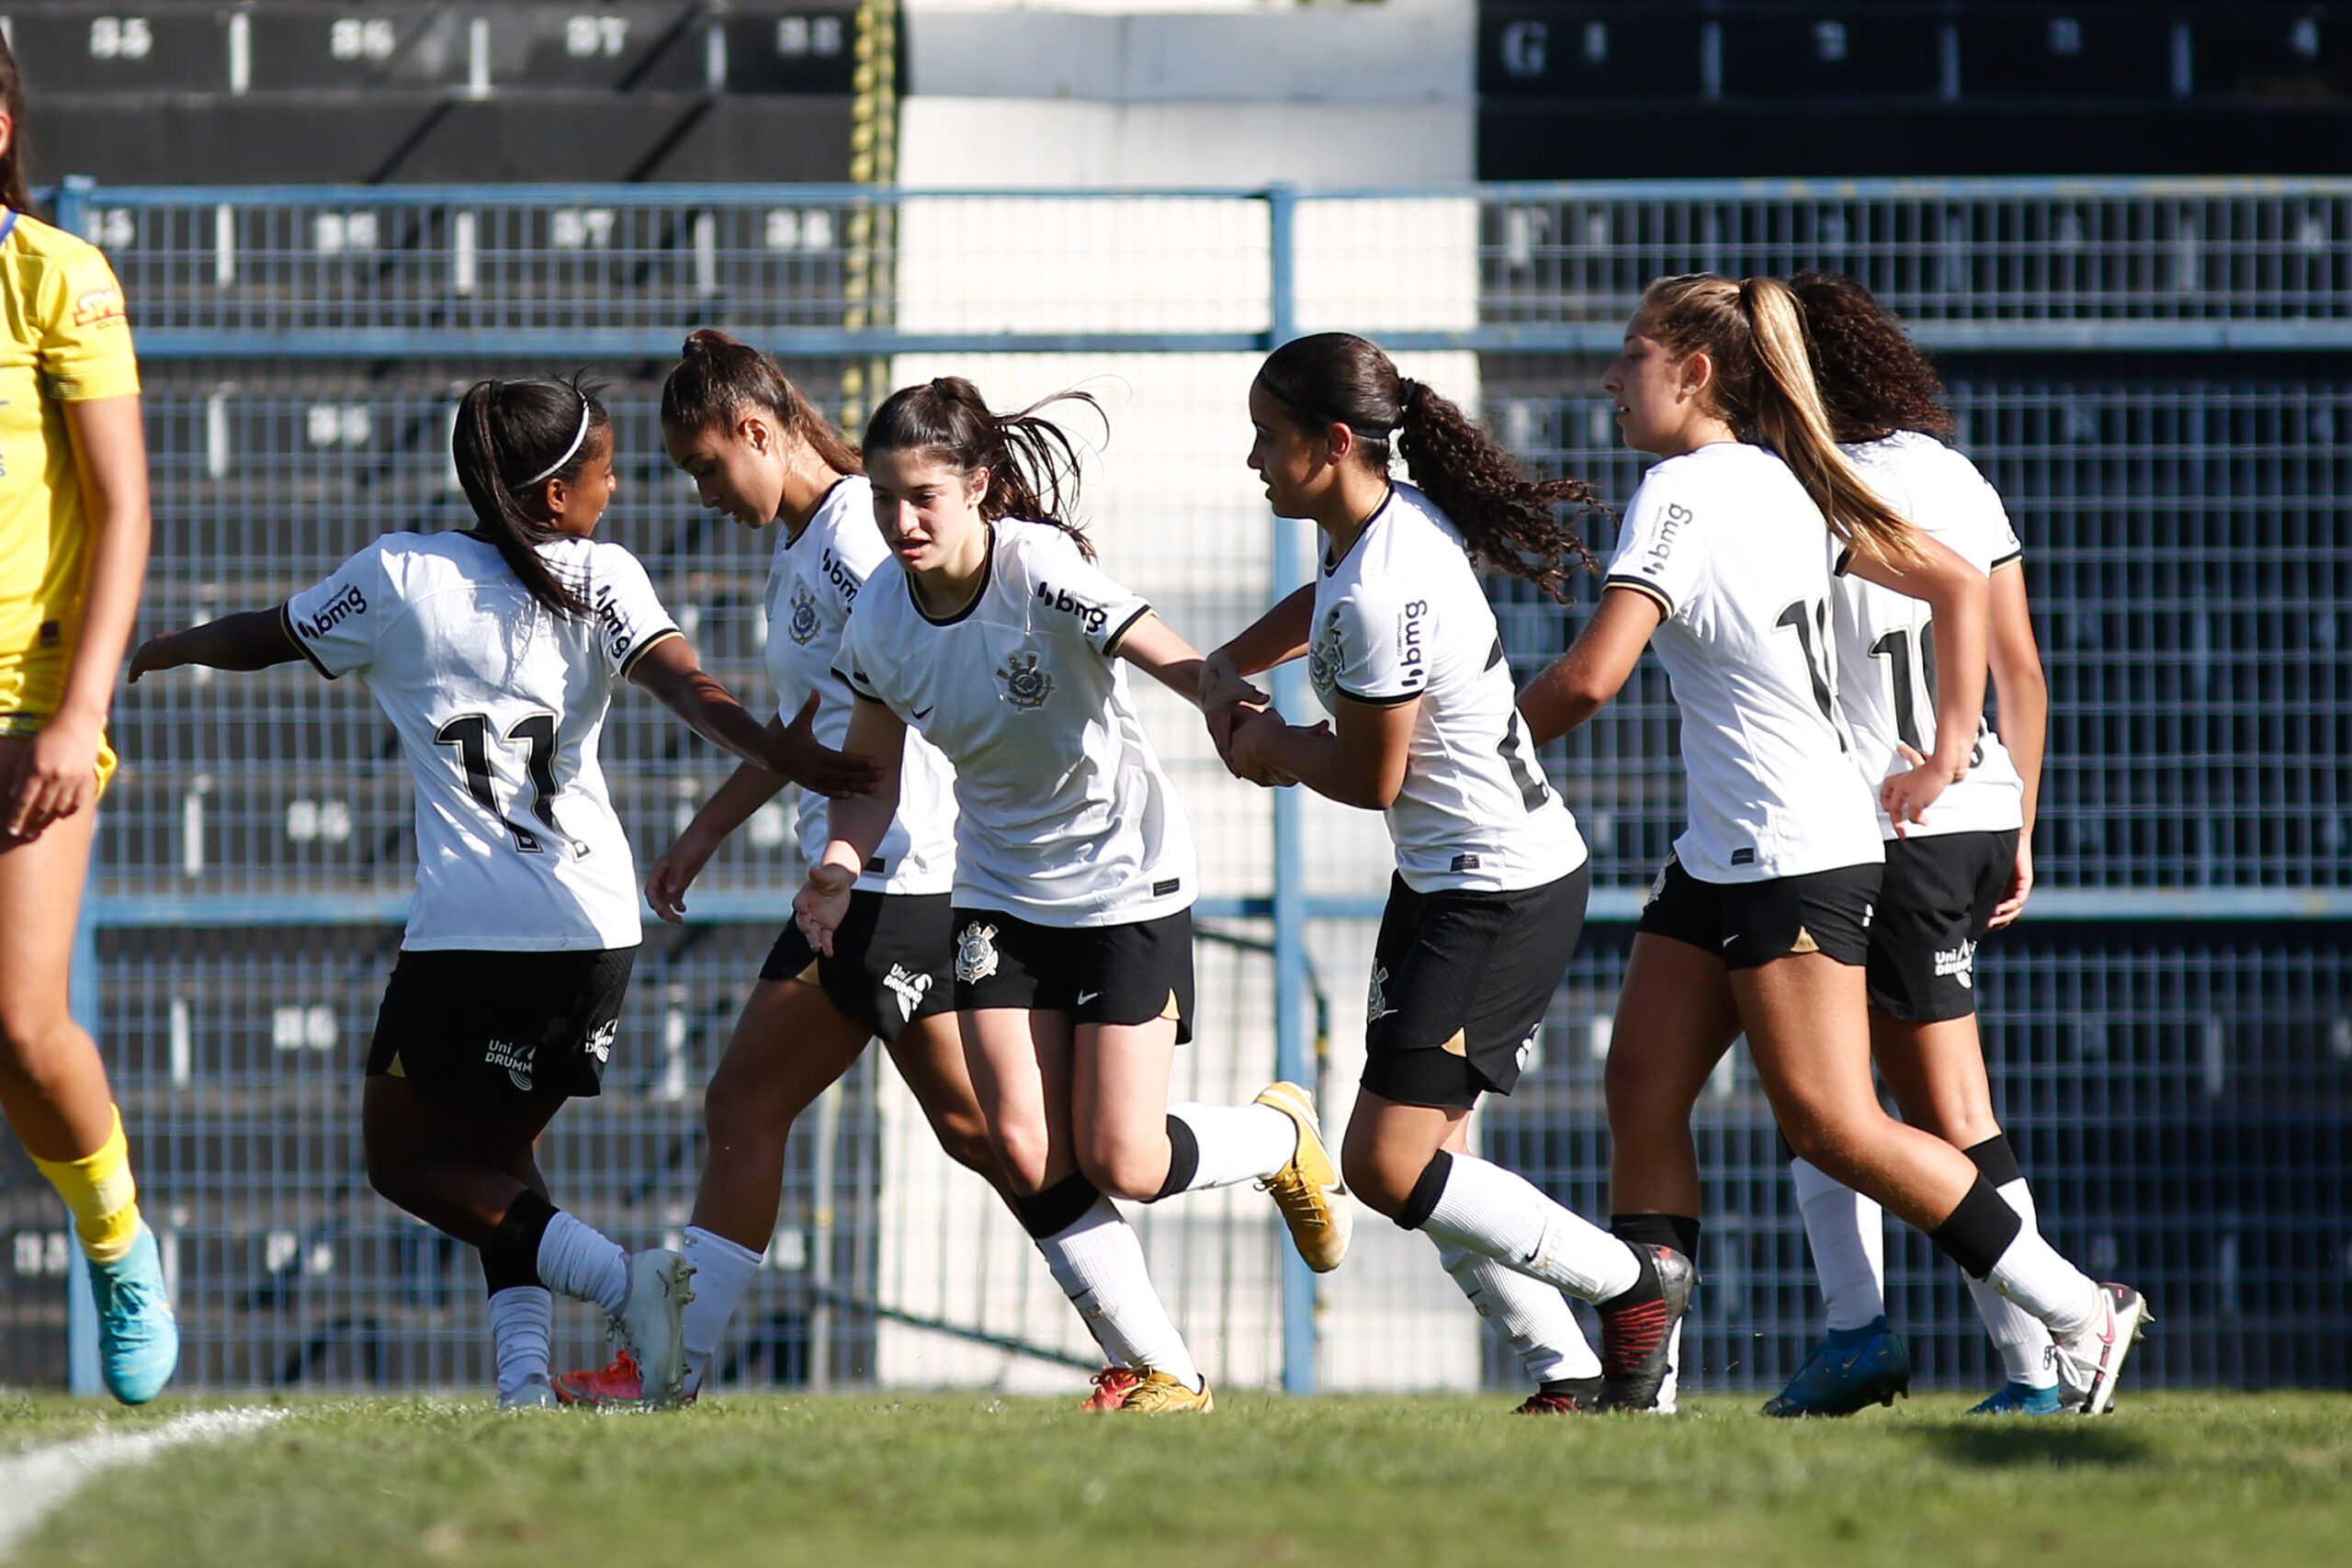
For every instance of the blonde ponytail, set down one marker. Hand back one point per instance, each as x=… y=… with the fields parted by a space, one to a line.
x=1763 y=383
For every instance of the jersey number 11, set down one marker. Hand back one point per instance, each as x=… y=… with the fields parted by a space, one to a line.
x=469 y=735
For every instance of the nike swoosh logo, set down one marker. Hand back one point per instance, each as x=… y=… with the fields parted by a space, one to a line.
x=924 y=713
x=1086 y=997
x=1729 y=940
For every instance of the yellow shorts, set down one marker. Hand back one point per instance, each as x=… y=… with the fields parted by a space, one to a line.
x=25 y=725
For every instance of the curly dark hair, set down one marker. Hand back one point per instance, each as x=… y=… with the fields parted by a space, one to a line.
x=1872 y=378
x=1510 y=521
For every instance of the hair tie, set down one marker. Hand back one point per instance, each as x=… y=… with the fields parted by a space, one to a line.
x=1406 y=387
x=578 y=436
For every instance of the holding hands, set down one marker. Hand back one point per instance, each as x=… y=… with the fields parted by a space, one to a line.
x=1241 y=721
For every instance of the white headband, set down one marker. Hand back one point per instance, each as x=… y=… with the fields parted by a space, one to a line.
x=577 y=437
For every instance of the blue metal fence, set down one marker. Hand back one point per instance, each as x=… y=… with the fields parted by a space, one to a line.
x=2172 y=1042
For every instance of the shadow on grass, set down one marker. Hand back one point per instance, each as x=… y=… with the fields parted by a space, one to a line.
x=1990 y=1445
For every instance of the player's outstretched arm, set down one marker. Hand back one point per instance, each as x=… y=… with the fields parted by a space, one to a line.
x=1960 y=598
x=1580 y=681
x=250 y=639
x=750 y=787
x=856 y=824
x=670 y=671
x=2022 y=692
x=1152 y=647
x=1357 y=760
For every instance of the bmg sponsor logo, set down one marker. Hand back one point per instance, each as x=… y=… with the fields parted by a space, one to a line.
x=343 y=606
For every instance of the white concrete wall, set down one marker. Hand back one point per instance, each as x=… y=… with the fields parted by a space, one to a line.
x=1136 y=94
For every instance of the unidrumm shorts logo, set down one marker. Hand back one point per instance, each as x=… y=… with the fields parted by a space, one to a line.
x=516 y=1059
x=910 y=989
x=976 y=952
x=600 y=1042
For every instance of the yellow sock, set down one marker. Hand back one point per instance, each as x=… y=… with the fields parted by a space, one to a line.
x=99 y=1190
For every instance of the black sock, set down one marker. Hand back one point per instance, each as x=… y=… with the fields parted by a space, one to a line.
x=1644 y=1288
x=1996 y=1160
x=1056 y=1209
x=1421 y=1202
x=1976 y=1235
x=513 y=1256
x=1183 y=1159
x=1679 y=1231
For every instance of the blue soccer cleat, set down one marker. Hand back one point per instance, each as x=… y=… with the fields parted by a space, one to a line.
x=139 y=1340
x=1849 y=1370
x=2022 y=1399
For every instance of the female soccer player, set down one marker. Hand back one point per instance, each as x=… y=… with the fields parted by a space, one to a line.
x=1488 y=897
x=495 y=652
x=74 y=532
x=1758 y=923
x=1964 y=869
x=759 y=453
x=999 y=640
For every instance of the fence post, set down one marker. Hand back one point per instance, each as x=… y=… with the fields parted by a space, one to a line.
x=72 y=207
x=1299 y=1290
x=81 y=1307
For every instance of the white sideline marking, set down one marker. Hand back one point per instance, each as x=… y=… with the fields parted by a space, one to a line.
x=32 y=1485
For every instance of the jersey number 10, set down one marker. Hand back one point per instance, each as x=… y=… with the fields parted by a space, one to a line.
x=469 y=735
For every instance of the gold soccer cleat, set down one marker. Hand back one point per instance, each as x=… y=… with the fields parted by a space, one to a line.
x=1158 y=1392
x=1313 y=1200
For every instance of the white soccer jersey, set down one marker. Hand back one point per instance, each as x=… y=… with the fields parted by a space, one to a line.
x=498 y=704
x=1886 y=648
x=1064 y=815
x=814 y=581
x=1399 y=616
x=1728 y=542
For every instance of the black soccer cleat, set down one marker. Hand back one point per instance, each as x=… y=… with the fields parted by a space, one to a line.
x=1563 y=1396
x=1637 y=1329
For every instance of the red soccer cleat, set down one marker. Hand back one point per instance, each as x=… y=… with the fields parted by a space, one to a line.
x=1112 y=1386
x=619 y=1385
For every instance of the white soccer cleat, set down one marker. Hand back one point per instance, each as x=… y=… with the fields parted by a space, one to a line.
x=652 y=1326
x=2090 y=1359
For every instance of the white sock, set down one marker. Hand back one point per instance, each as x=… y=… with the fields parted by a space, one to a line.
x=581 y=1260
x=723 y=1271
x=521 y=1318
x=1848 y=1233
x=1098 y=1262
x=1673 y=1382
x=2023 y=1342
x=1534 y=1316
x=1238 y=1143
x=1503 y=1215
x=2031 y=1274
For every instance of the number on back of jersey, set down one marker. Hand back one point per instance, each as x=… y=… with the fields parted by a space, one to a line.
x=468 y=735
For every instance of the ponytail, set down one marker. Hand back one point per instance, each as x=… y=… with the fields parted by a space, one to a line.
x=1032 y=462
x=716 y=376
x=1763 y=384
x=15 y=189
x=1508 y=521
x=511 y=439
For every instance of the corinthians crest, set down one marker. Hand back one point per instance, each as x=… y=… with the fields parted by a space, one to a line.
x=1025 y=685
x=1323 y=656
x=803 y=625
x=976 y=952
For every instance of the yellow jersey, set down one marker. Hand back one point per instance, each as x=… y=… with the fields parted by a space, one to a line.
x=64 y=338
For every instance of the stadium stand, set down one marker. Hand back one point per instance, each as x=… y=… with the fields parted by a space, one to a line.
x=371 y=93
x=1602 y=89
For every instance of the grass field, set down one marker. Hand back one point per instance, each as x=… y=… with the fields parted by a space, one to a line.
x=959 y=1479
